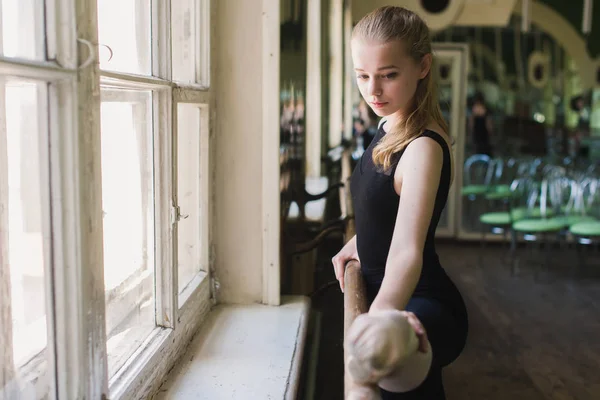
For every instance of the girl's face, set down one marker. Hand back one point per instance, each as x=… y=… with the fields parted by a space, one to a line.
x=387 y=76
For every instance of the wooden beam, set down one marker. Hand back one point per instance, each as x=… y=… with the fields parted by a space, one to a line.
x=271 y=284
x=348 y=71
x=336 y=71
x=313 y=89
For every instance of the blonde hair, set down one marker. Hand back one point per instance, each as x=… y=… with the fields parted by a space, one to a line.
x=387 y=24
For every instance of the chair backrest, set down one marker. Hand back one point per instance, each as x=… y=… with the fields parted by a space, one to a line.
x=593 y=169
x=536 y=167
x=551 y=171
x=520 y=190
x=476 y=170
x=572 y=204
x=541 y=198
x=510 y=170
x=561 y=193
x=531 y=197
x=588 y=198
x=528 y=166
x=495 y=171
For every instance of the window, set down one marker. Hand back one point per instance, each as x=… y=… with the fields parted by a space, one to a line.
x=124 y=36
x=24 y=244
x=190 y=42
x=192 y=182
x=22 y=29
x=128 y=221
x=103 y=199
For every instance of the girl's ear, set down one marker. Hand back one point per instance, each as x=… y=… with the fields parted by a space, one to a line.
x=426 y=65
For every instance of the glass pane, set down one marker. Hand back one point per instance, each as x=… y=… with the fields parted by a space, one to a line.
x=128 y=206
x=24 y=211
x=124 y=34
x=22 y=29
x=184 y=43
x=188 y=193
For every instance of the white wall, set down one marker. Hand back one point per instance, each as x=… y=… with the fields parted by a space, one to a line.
x=245 y=151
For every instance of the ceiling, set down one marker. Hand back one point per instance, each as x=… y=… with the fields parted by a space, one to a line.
x=573 y=12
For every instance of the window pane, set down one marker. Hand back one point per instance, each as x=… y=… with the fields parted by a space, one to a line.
x=188 y=193
x=125 y=36
x=22 y=29
x=184 y=45
x=128 y=206
x=23 y=210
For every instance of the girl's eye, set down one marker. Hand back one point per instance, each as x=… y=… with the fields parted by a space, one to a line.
x=362 y=77
x=391 y=76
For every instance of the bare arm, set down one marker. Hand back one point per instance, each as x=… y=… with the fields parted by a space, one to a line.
x=421 y=166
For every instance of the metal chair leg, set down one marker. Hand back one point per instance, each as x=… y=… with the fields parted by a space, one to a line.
x=513 y=252
x=548 y=249
x=482 y=246
x=539 y=264
x=507 y=243
x=580 y=256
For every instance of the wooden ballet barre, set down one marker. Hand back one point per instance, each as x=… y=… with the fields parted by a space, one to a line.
x=355 y=296
x=355 y=303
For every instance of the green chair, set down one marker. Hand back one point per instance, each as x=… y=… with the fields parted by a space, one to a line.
x=536 y=221
x=498 y=192
x=476 y=176
x=476 y=180
x=493 y=177
x=586 y=231
x=513 y=208
x=499 y=221
x=502 y=173
x=576 y=208
x=585 y=234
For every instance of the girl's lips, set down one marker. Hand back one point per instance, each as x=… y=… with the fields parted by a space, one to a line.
x=378 y=105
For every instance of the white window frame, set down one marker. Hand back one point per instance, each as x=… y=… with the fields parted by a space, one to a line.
x=199 y=100
x=31 y=372
x=60 y=74
x=203 y=37
x=75 y=283
x=176 y=314
x=110 y=90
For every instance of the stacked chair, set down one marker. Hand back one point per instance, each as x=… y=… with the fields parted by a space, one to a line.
x=545 y=204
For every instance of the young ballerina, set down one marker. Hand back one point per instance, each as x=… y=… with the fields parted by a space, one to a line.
x=417 y=320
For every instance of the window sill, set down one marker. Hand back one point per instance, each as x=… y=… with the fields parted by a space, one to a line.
x=139 y=377
x=243 y=351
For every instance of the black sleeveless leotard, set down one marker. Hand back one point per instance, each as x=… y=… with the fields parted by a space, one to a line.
x=375 y=207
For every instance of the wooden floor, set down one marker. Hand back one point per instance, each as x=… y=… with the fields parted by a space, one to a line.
x=529 y=339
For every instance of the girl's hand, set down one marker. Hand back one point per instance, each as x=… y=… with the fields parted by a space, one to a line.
x=339 y=261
